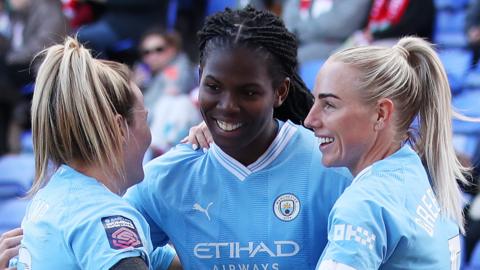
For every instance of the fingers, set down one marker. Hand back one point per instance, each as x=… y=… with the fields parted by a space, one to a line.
x=9 y=245
x=192 y=137
x=14 y=232
x=202 y=141
x=206 y=134
x=6 y=255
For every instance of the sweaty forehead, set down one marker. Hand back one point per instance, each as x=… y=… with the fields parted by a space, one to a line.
x=236 y=63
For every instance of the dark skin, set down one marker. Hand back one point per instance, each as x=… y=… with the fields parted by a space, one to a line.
x=133 y=263
x=237 y=99
x=137 y=263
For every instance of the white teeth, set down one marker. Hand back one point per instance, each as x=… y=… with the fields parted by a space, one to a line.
x=323 y=140
x=228 y=126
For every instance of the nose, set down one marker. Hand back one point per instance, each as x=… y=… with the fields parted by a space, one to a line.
x=313 y=118
x=228 y=102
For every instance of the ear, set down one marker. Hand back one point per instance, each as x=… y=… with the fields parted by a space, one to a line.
x=385 y=108
x=121 y=123
x=281 y=92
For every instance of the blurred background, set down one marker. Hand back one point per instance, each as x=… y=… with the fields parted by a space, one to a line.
x=157 y=39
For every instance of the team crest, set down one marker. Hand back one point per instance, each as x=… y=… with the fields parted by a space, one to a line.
x=286 y=207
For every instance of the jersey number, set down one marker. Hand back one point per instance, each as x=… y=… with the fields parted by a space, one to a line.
x=454 y=247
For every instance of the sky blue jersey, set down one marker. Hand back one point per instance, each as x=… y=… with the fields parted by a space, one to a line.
x=389 y=218
x=75 y=222
x=220 y=214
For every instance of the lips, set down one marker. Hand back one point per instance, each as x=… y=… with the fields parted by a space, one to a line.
x=228 y=126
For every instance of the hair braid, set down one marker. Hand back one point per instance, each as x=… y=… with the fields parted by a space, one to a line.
x=263 y=31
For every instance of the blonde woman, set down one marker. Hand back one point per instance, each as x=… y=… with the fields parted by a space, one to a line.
x=395 y=214
x=90 y=135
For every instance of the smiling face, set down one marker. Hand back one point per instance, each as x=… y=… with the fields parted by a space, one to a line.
x=237 y=101
x=137 y=140
x=343 y=122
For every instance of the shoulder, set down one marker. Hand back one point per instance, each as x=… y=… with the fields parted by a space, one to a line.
x=180 y=156
x=99 y=205
x=171 y=169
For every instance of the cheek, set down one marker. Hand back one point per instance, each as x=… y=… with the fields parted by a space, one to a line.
x=205 y=100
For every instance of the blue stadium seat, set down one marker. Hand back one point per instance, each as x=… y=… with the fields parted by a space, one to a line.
x=472 y=78
x=308 y=72
x=450 y=20
x=11 y=213
x=17 y=173
x=457 y=62
x=449 y=28
x=451 y=4
x=214 y=6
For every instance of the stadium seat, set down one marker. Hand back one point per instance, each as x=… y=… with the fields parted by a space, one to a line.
x=449 y=28
x=17 y=173
x=472 y=78
x=457 y=62
x=214 y=6
x=451 y=4
x=11 y=212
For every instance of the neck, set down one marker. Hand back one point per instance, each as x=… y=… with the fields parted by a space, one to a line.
x=248 y=157
x=107 y=178
x=380 y=150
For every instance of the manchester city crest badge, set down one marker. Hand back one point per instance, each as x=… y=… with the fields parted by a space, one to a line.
x=286 y=207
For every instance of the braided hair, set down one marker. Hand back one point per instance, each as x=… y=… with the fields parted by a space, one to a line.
x=265 y=33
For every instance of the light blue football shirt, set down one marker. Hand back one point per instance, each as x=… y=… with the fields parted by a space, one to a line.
x=389 y=218
x=223 y=215
x=75 y=222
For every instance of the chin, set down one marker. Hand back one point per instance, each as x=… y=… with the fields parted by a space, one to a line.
x=329 y=163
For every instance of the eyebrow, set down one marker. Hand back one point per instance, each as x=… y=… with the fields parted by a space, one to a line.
x=322 y=96
x=212 y=78
x=245 y=85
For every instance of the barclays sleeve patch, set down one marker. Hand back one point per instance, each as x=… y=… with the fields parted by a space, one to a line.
x=121 y=232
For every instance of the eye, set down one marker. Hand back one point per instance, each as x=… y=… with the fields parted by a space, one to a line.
x=328 y=105
x=212 y=87
x=250 y=93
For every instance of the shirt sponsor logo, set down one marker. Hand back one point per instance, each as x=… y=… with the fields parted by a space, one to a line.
x=286 y=207
x=200 y=209
x=347 y=232
x=284 y=248
x=121 y=232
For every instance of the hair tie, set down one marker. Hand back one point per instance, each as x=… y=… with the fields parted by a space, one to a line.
x=401 y=50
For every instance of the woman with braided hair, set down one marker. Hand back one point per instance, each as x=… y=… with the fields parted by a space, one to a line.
x=258 y=198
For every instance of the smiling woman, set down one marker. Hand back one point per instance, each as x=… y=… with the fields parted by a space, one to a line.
x=396 y=214
x=249 y=202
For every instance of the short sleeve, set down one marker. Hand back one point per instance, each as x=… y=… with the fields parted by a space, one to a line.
x=144 y=201
x=356 y=234
x=162 y=257
x=102 y=237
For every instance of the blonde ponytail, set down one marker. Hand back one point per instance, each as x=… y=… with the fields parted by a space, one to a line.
x=411 y=74
x=74 y=107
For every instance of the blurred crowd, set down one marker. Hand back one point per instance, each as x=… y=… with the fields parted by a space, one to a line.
x=157 y=39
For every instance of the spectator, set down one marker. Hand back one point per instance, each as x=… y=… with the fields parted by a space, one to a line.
x=321 y=26
x=34 y=26
x=167 y=77
x=390 y=20
x=121 y=20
